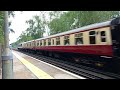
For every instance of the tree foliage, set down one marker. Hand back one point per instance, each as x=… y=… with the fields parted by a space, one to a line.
x=35 y=30
x=10 y=13
x=75 y=19
x=1 y=30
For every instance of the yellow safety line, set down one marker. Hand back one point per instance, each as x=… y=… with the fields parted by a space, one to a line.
x=35 y=70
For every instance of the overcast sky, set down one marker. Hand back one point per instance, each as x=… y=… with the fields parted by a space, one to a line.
x=18 y=23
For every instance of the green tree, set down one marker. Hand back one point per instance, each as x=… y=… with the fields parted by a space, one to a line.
x=35 y=30
x=11 y=13
x=1 y=24
x=40 y=27
x=75 y=19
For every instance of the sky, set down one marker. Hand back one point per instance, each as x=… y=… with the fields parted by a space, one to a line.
x=18 y=23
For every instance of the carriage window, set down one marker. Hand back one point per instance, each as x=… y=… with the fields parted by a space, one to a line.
x=58 y=41
x=78 y=38
x=49 y=41
x=37 y=43
x=40 y=43
x=53 y=41
x=92 y=37
x=44 y=42
x=103 y=36
x=66 y=40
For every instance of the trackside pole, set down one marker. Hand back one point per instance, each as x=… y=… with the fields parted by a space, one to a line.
x=7 y=58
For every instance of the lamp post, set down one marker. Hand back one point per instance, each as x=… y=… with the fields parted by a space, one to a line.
x=7 y=58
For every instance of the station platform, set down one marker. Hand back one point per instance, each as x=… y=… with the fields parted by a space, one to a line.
x=27 y=67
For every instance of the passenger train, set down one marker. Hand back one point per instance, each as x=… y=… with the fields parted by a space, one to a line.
x=99 y=42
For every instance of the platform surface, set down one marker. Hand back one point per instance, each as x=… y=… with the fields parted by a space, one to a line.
x=27 y=67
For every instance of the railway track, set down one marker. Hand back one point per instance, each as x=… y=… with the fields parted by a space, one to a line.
x=85 y=71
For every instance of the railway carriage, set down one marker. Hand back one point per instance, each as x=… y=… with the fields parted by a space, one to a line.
x=96 y=40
